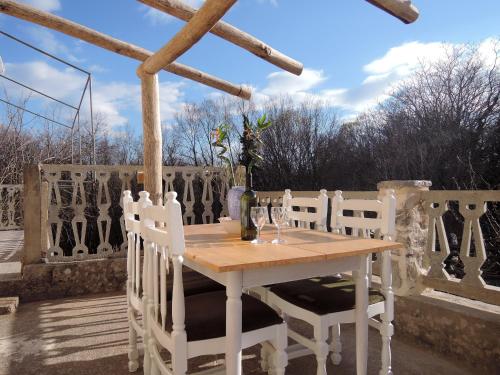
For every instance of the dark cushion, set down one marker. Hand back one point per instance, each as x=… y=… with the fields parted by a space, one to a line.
x=206 y=315
x=194 y=283
x=322 y=295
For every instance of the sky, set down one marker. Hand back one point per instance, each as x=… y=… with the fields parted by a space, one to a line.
x=353 y=53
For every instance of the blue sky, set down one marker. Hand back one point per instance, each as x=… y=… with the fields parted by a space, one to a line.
x=352 y=52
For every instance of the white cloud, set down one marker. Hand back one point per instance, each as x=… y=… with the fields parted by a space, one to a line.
x=157 y=17
x=47 y=5
x=279 y=82
x=62 y=84
x=381 y=76
x=47 y=41
x=113 y=100
x=272 y=2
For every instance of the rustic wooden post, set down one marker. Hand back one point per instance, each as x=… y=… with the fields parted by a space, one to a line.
x=152 y=135
x=33 y=216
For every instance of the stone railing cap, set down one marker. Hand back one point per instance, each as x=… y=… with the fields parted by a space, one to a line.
x=399 y=184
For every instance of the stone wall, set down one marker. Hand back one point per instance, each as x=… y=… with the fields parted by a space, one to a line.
x=49 y=281
x=458 y=328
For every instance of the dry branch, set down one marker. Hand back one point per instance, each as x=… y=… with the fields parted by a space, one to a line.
x=31 y=14
x=230 y=33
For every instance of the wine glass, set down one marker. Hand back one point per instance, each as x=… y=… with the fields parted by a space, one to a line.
x=259 y=216
x=279 y=216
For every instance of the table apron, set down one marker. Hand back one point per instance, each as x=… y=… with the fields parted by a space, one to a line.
x=282 y=273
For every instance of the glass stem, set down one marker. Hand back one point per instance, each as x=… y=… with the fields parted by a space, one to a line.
x=258 y=233
x=279 y=233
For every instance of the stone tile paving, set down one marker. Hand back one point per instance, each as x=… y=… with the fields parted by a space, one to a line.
x=88 y=335
x=11 y=247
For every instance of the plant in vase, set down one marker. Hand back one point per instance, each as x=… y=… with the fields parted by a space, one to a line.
x=222 y=141
x=251 y=143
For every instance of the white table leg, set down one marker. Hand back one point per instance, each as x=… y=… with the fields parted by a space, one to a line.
x=233 y=323
x=361 y=279
x=386 y=328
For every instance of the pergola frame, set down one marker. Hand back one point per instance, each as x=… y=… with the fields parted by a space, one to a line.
x=199 y=22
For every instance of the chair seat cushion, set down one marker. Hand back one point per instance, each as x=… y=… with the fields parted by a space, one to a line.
x=322 y=295
x=206 y=315
x=194 y=283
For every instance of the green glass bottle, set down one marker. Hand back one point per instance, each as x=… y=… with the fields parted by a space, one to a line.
x=248 y=200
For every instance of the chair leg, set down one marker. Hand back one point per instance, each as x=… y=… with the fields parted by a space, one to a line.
x=155 y=369
x=386 y=331
x=265 y=353
x=322 y=349
x=133 y=353
x=280 y=357
x=336 y=345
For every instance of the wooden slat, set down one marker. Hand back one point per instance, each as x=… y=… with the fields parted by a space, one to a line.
x=201 y=23
x=156 y=235
x=359 y=222
x=232 y=34
x=303 y=216
x=362 y=205
x=401 y=9
x=305 y=202
x=51 y=21
x=210 y=246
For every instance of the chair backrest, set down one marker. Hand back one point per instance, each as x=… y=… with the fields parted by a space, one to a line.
x=303 y=216
x=133 y=227
x=383 y=222
x=163 y=234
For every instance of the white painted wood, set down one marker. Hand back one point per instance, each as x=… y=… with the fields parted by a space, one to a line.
x=135 y=302
x=361 y=280
x=361 y=267
x=335 y=344
x=386 y=328
x=233 y=323
x=304 y=218
x=161 y=228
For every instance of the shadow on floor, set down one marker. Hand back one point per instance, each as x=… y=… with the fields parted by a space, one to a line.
x=89 y=335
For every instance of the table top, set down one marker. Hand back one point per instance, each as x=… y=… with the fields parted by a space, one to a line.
x=210 y=246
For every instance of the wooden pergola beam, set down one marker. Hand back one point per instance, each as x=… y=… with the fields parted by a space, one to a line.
x=401 y=9
x=200 y=24
x=51 y=21
x=192 y=32
x=230 y=33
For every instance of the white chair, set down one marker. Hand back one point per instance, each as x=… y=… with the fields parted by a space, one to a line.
x=135 y=304
x=303 y=218
x=191 y=326
x=193 y=282
x=326 y=302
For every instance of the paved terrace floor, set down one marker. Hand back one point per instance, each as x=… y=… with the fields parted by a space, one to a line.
x=11 y=246
x=88 y=335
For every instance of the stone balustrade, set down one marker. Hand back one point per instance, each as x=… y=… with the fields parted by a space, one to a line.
x=443 y=234
x=463 y=243
x=443 y=231
x=84 y=205
x=11 y=207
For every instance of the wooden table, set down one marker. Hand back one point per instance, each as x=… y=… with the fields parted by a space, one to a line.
x=239 y=264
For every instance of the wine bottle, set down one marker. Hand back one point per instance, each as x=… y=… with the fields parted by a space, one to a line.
x=248 y=200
